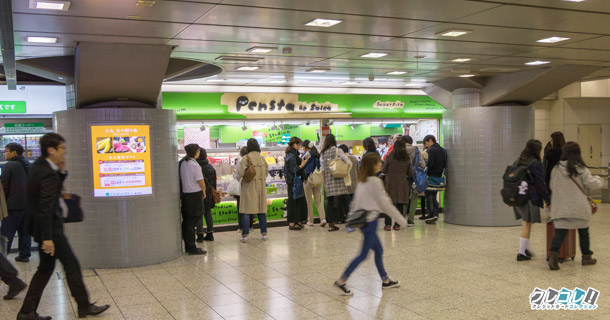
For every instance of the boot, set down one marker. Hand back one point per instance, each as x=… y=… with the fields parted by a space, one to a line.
x=587 y=260
x=554 y=260
x=200 y=238
x=209 y=237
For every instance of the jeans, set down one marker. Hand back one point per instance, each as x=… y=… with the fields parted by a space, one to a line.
x=412 y=206
x=432 y=203
x=241 y=214
x=262 y=220
x=583 y=236
x=46 y=269
x=14 y=223
x=316 y=192
x=371 y=242
x=401 y=207
x=209 y=222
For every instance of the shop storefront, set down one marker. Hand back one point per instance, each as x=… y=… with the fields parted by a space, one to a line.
x=222 y=122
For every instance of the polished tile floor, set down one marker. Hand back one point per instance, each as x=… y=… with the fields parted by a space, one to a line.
x=446 y=271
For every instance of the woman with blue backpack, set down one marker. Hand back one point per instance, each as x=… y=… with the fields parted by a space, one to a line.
x=293 y=173
x=313 y=183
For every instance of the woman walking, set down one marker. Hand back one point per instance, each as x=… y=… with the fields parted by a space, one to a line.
x=571 y=181
x=336 y=190
x=312 y=165
x=398 y=174
x=293 y=166
x=254 y=192
x=372 y=199
x=537 y=192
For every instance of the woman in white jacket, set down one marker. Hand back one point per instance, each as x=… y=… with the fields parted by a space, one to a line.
x=371 y=197
x=570 y=208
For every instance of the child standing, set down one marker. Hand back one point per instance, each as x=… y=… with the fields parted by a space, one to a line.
x=372 y=198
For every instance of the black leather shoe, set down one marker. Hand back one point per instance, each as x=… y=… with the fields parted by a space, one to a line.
x=209 y=237
x=22 y=259
x=14 y=289
x=92 y=310
x=528 y=253
x=521 y=257
x=31 y=316
x=197 y=251
x=200 y=238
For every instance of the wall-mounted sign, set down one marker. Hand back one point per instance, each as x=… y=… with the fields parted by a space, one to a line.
x=389 y=105
x=264 y=103
x=121 y=160
x=24 y=127
x=12 y=107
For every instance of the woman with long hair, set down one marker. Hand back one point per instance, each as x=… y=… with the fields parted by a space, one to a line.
x=571 y=181
x=253 y=193
x=552 y=156
x=370 y=199
x=293 y=166
x=537 y=192
x=398 y=174
x=312 y=165
x=336 y=190
x=369 y=146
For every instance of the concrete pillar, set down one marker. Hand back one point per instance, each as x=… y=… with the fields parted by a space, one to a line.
x=481 y=141
x=124 y=232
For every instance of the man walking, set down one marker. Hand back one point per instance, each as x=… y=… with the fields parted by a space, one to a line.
x=44 y=221
x=14 y=177
x=436 y=168
x=8 y=273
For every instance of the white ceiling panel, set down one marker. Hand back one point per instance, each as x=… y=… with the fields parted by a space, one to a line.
x=542 y=19
x=591 y=5
x=437 y=10
x=53 y=24
x=452 y=47
x=70 y=40
x=573 y=54
x=394 y=65
x=284 y=37
x=410 y=56
x=601 y=43
x=269 y=61
x=295 y=20
x=170 y=11
x=42 y=51
x=241 y=47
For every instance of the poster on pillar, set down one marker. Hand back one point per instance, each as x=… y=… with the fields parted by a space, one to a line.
x=120 y=155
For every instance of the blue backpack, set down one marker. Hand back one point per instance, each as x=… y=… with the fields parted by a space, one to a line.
x=419 y=178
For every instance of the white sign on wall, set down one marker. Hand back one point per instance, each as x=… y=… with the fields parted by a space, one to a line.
x=38 y=99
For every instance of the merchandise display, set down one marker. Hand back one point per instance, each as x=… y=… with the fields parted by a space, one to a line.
x=30 y=143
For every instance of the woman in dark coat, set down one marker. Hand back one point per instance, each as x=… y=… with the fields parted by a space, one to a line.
x=552 y=156
x=398 y=174
x=293 y=165
x=209 y=174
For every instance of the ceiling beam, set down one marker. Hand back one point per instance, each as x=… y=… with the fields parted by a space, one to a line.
x=7 y=43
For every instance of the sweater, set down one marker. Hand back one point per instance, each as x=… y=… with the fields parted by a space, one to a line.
x=371 y=196
x=571 y=208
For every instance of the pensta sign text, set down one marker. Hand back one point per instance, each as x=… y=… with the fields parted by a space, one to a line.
x=267 y=103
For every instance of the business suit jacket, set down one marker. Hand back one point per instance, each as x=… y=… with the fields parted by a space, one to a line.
x=43 y=190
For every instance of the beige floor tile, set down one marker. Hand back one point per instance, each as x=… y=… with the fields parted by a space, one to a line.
x=236 y=309
x=130 y=300
x=264 y=294
x=173 y=295
x=300 y=313
x=274 y=304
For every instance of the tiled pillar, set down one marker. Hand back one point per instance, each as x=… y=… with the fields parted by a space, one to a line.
x=125 y=232
x=480 y=143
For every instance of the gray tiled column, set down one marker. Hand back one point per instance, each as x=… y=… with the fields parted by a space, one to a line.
x=481 y=142
x=126 y=232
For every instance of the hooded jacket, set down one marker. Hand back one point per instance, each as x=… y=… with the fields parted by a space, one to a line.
x=571 y=209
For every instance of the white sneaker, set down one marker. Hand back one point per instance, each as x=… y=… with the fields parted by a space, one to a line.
x=323 y=223
x=310 y=224
x=265 y=237
x=244 y=239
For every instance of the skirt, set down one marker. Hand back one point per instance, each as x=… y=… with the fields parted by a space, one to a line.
x=528 y=212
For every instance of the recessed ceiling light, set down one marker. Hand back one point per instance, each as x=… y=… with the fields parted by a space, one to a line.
x=147 y=3
x=414 y=84
x=574 y=0
x=49 y=5
x=461 y=60
x=42 y=40
x=553 y=40
x=467 y=76
x=350 y=82
x=454 y=33
x=277 y=81
x=133 y=17
x=536 y=63
x=240 y=58
x=247 y=68
x=318 y=70
x=374 y=55
x=261 y=49
x=499 y=69
x=396 y=72
x=325 y=23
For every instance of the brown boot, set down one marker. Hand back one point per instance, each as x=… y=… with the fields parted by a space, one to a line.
x=587 y=260
x=554 y=260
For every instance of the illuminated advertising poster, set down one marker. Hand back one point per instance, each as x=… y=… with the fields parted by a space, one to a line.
x=121 y=160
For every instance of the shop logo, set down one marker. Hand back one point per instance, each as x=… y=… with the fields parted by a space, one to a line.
x=388 y=105
x=564 y=299
x=257 y=103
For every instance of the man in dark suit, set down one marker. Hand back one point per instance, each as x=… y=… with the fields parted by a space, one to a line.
x=44 y=221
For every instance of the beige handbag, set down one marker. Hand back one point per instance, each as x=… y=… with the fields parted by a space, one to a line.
x=338 y=168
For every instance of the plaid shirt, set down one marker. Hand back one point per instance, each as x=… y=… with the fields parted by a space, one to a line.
x=333 y=186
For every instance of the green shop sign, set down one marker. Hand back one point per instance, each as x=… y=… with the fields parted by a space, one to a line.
x=12 y=107
x=226 y=212
x=242 y=105
x=24 y=127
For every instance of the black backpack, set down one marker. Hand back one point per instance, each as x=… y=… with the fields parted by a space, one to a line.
x=515 y=192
